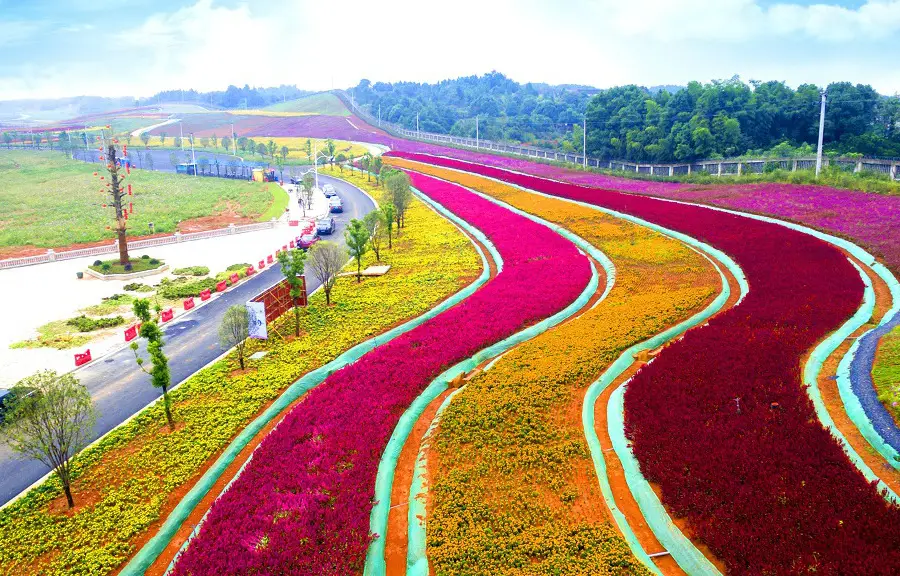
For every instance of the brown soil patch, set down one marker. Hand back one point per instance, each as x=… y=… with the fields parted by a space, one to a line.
x=227 y=214
x=395 y=539
x=616 y=474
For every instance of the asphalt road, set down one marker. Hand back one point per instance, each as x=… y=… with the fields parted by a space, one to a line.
x=120 y=389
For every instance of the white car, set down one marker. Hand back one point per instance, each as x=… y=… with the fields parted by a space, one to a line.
x=335 y=204
x=328 y=190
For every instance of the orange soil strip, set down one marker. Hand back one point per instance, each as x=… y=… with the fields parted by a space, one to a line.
x=616 y=475
x=832 y=398
x=395 y=540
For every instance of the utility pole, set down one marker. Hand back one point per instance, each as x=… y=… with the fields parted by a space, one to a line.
x=181 y=134
x=233 y=143
x=821 y=134
x=584 y=141
x=417 y=124
x=316 y=162
x=379 y=115
x=476 y=131
x=193 y=159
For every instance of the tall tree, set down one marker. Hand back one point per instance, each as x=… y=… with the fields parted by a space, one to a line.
x=387 y=211
x=117 y=194
x=145 y=138
x=159 y=373
x=293 y=263
x=325 y=260
x=309 y=183
x=374 y=222
x=400 y=193
x=51 y=420
x=234 y=330
x=331 y=147
x=357 y=238
x=308 y=148
x=162 y=138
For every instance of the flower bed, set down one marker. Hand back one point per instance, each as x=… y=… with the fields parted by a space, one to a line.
x=514 y=428
x=767 y=488
x=872 y=220
x=304 y=499
x=124 y=484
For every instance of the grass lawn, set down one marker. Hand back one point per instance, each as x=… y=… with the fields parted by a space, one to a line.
x=324 y=103
x=886 y=372
x=49 y=201
x=137 y=265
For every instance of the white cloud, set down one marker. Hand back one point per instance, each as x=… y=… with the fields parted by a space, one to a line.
x=317 y=45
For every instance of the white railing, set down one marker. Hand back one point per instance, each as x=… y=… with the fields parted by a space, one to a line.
x=53 y=256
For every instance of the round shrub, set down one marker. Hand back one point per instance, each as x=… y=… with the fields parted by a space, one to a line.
x=145 y=257
x=154 y=261
x=98 y=263
x=105 y=267
x=128 y=267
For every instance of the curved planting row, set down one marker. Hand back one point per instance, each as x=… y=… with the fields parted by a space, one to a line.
x=869 y=219
x=303 y=501
x=512 y=481
x=721 y=422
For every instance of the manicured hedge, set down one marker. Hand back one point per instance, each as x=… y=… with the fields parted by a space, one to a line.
x=123 y=484
x=302 y=504
x=767 y=488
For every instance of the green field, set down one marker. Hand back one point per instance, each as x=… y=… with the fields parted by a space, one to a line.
x=886 y=373
x=49 y=201
x=324 y=103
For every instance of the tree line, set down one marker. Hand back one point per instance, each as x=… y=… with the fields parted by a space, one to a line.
x=719 y=119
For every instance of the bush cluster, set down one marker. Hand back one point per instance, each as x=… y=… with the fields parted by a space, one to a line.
x=86 y=324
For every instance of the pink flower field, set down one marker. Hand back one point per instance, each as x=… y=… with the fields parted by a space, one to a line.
x=302 y=504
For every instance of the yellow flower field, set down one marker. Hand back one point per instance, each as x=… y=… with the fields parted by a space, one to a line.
x=515 y=491
x=124 y=482
x=296 y=146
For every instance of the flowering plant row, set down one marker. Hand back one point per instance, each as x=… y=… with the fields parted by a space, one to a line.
x=872 y=220
x=516 y=428
x=721 y=421
x=302 y=504
x=122 y=484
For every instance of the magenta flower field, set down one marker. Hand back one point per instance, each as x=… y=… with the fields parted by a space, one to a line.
x=302 y=504
x=767 y=488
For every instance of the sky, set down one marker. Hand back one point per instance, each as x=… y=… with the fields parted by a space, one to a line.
x=53 y=49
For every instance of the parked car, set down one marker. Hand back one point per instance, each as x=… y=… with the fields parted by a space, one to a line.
x=335 y=204
x=325 y=225
x=328 y=191
x=307 y=240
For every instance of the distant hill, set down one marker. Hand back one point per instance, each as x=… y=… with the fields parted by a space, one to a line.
x=322 y=103
x=41 y=111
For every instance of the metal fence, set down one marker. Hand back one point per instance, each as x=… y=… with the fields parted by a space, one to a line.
x=53 y=256
x=726 y=167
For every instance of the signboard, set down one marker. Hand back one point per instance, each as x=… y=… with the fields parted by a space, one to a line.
x=256 y=320
x=278 y=299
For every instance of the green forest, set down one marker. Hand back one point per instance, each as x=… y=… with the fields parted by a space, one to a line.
x=720 y=119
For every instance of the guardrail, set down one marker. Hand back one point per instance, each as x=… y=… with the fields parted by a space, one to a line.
x=725 y=167
x=53 y=256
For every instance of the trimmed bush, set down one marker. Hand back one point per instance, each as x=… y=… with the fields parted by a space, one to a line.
x=192 y=271
x=85 y=324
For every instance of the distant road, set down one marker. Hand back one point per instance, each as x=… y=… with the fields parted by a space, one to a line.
x=120 y=389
